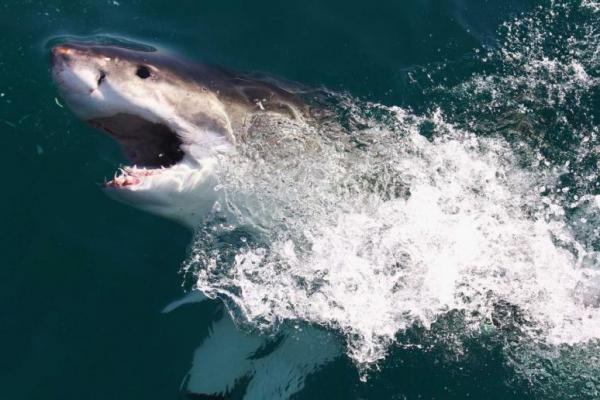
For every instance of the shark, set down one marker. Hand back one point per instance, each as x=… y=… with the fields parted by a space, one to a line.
x=174 y=119
x=176 y=122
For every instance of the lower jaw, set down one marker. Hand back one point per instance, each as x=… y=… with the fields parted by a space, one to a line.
x=131 y=176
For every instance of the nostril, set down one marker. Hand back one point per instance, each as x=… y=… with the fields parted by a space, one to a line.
x=101 y=77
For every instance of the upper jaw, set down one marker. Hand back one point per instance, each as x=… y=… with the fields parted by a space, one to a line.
x=141 y=129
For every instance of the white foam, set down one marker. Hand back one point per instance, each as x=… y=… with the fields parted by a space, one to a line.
x=374 y=240
x=591 y=4
x=474 y=231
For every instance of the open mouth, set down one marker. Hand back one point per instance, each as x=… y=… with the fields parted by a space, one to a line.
x=151 y=147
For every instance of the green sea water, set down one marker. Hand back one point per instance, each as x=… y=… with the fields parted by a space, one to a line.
x=83 y=279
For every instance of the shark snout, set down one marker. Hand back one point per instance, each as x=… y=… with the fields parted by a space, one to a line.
x=61 y=53
x=64 y=54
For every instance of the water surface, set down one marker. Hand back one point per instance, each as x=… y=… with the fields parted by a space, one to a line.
x=502 y=97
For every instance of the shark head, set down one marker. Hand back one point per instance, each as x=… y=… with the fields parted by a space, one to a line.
x=173 y=119
x=167 y=118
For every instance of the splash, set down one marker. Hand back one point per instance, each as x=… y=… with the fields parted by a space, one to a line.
x=487 y=205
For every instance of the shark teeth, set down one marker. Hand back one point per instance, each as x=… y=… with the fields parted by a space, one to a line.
x=130 y=176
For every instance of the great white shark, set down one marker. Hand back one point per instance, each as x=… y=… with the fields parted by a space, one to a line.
x=176 y=120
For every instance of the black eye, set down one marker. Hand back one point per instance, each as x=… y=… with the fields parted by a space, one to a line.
x=101 y=77
x=143 y=72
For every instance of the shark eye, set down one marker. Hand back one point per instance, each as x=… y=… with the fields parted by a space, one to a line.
x=143 y=72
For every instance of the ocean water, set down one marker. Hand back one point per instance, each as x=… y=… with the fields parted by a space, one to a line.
x=452 y=253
